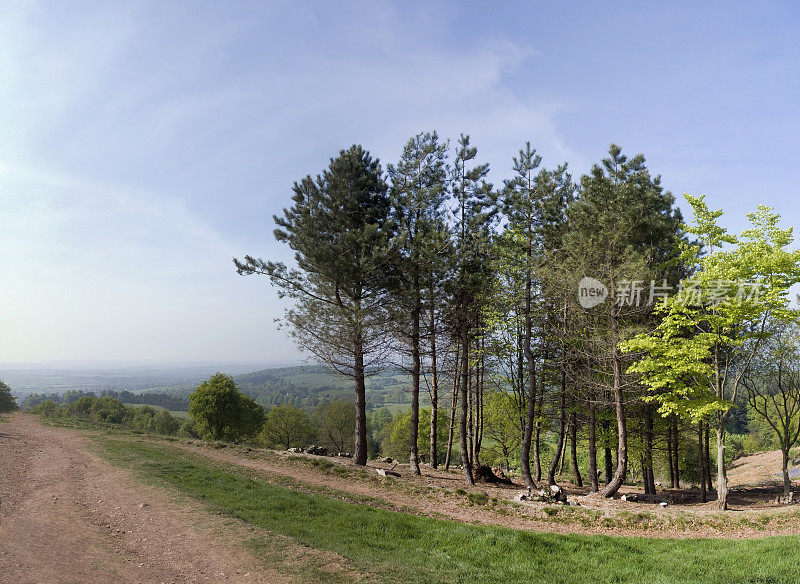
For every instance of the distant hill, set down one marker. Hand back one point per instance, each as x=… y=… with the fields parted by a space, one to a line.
x=51 y=380
x=301 y=386
x=307 y=386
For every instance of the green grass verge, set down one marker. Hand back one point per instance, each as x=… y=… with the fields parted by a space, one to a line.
x=409 y=548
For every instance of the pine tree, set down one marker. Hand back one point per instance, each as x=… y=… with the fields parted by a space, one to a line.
x=339 y=227
x=418 y=192
x=473 y=215
x=623 y=228
x=521 y=209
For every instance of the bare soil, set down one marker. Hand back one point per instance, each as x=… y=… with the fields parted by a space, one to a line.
x=67 y=516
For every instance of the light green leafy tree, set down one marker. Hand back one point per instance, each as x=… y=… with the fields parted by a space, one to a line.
x=397 y=430
x=501 y=419
x=286 y=426
x=695 y=360
x=335 y=423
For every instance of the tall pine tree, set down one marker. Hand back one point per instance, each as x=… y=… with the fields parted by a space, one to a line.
x=418 y=192
x=472 y=274
x=338 y=227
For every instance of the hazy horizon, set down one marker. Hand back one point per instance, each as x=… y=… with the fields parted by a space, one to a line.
x=111 y=365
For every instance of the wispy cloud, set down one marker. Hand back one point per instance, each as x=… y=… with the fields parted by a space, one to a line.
x=145 y=145
x=100 y=271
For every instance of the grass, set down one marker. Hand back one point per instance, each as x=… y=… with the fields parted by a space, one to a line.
x=408 y=548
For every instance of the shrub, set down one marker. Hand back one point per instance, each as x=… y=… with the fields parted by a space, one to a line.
x=221 y=412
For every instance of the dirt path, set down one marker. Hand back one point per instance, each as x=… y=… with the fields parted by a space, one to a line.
x=432 y=495
x=68 y=517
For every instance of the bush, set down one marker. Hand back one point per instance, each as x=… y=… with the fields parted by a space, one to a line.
x=8 y=403
x=187 y=430
x=109 y=410
x=165 y=423
x=220 y=411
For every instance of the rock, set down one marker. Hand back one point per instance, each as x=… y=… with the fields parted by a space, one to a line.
x=558 y=494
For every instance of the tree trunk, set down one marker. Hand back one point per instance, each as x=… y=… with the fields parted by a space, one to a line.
x=557 y=457
x=670 y=460
x=707 y=428
x=537 y=433
x=465 y=454
x=434 y=453
x=573 y=450
x=360 y=454
x=453 y=406
x=525 y=465
x=592 y=448
x=471 y=416
x=701 y=463
x=527 y=435
x=413 y=460
x=607 y=459
x=479 y=371
x=649 y=483
x=676 y=452
x=622 y=430
x=787 y=482
x=722 y=474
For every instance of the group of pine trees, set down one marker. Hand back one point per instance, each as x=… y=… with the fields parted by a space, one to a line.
x=472 y=288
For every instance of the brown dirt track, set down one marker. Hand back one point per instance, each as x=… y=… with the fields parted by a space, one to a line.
x=68 y=517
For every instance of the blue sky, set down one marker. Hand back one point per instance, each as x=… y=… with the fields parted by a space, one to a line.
x=145 y=144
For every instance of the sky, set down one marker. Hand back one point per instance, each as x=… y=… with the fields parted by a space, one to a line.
x=145 y=144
